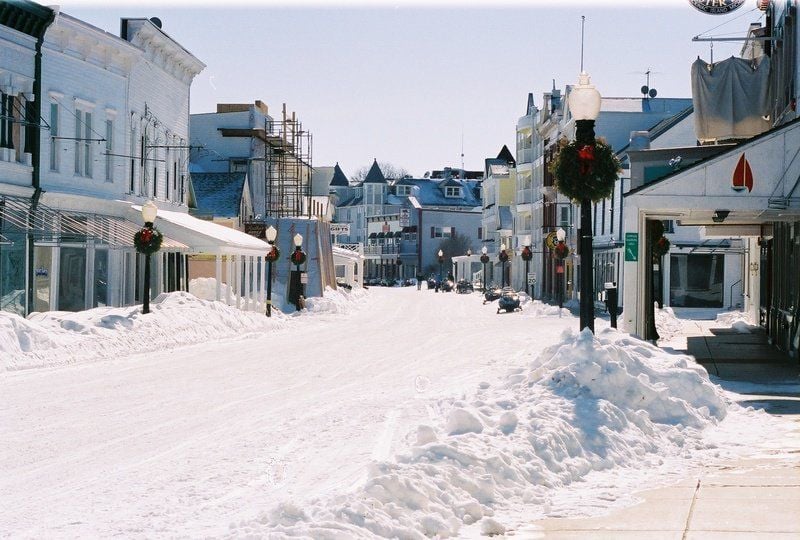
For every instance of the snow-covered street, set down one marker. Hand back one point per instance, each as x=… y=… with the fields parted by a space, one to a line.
x=303 y=421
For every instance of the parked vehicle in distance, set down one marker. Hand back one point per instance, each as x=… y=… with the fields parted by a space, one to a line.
x=464 y=286
x=492 y=293
x=448 y=285
x=508 y=301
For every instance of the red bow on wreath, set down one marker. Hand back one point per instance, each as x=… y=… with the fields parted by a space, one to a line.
x=586 y=159
x=147 y=235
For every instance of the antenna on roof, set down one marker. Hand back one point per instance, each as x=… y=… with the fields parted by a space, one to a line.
x=646 y=90
x=583 y=20
x=462 y=148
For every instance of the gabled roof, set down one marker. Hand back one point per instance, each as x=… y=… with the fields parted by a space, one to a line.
x=339 y=179
x=218 y=194
x=375 y=176
x=430 y=193
x=506 y=155
x=450 y=182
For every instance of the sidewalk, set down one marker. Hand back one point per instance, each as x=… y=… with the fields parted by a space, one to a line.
x=748 y=499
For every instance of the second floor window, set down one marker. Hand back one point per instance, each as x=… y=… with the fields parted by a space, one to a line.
x=403 y=191
x=452 y=191
x=441 y=232
x=53 y=135
x=109 y=150
x=83 y=143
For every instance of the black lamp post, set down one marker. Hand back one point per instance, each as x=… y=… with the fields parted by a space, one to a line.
x=298 y=258
x=272 y=256
x=584 y=105
x=503 y=260
x=149 y=212
x=527 y=255
x=485 y=261
x=399 y=267
x=441 y=262
x=561 y=252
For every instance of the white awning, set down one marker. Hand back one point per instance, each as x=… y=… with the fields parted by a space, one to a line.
x=205 y=236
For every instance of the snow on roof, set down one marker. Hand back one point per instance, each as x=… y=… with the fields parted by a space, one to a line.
x=204 y=236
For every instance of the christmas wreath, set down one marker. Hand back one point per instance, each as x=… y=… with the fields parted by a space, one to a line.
x=273 y=254
x=297 y=257
x=484 y=259
x=148 y=240
x=561 y=251
x=585 y=171
x=527 y=254
x=661 y=247
x=503 y=256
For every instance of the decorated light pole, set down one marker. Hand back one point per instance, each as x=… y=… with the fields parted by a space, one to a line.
x=585 y=170
x=561 y=251
x=441 y=262
x=527 y=255
x=485 y=261
x=399 y=264
x=503 y=256
x=272 y=256
x=298 y=258
x=147 y=241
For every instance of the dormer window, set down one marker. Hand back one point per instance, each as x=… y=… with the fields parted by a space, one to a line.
x=403 y=191
x=452 y=191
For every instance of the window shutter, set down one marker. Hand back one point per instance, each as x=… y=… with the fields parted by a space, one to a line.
x=480 y=233
x=452 y=232
x=433 y=232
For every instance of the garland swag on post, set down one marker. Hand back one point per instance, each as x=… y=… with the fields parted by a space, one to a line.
x=148 y=240
x=585 y=171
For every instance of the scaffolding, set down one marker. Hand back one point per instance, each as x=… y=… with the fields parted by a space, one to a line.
x=288 y=168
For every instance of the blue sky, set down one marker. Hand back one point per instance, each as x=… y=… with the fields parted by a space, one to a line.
x=402 y=83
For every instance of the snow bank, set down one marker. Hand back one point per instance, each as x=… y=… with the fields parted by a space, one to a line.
x=175 y=319
x=586 y=404
x=536 y=309
x=738 y=320
x=667 y=324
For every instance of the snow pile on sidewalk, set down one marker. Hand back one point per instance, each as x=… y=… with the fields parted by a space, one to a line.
x=175 y=319
x=667 y=324
x=536 y=308
x=738 y=320
x=336 y=301
x=586 y=404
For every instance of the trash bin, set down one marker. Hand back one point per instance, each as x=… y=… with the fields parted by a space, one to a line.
x=611 y=302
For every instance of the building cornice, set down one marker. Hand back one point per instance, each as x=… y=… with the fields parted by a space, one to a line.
x=162 y=50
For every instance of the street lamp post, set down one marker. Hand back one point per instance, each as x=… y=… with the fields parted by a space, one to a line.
x=441 y=262
x=272 y=256
x=485 y=261
x=503 y=260
x=584 y=104
x=561 y=252
x=399 y=267
x=468 y=277
x=527 y=255
x=298 y=258
x=148 y=241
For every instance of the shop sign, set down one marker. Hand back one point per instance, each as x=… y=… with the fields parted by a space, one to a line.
x=256 y=229
x=631 y=247
x=716 y=7
x=340 y=228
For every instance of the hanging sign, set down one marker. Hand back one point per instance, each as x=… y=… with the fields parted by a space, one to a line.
x=716 y=7
x=742 y=176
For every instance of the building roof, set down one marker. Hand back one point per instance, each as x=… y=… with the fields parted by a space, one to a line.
x=432 y=193
x=339 y=179
x=219 y=194
x=506 y=155
x=375 y=176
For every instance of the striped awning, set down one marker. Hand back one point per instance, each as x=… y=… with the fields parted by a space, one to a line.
x=54 y=225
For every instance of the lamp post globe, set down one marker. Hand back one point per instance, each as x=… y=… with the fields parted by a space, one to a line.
x=298 y=258
x=441 y=262
x=503 y=256
x=584 y=105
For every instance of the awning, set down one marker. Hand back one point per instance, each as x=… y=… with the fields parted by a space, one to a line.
x=398 y=234
x=381 y=234
x=410 y=229
x=54 y=225
x=373 y=235
x=205 y=236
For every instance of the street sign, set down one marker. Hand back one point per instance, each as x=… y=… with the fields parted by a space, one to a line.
x=340 y=228
x=532 y=278
x=631 y=247
x=551 y=239
x=303 y=278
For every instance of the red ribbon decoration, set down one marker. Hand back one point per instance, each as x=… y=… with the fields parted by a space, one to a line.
x=586 y=159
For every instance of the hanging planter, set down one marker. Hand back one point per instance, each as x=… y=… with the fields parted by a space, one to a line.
x=561 y=251
x=661 y=247
x=148 y=240
x=585 y=171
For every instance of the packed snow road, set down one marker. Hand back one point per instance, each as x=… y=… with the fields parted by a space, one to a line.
x=192 y=440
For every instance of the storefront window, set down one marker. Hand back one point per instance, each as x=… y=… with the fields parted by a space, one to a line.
x=100 y=277
x=696 y=280
x=72 y=279
x=12 y=273
x=42 y=275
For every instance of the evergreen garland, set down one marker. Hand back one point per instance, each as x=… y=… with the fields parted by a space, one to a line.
x=585 y=171
x=273 y=254
x=148 y=240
